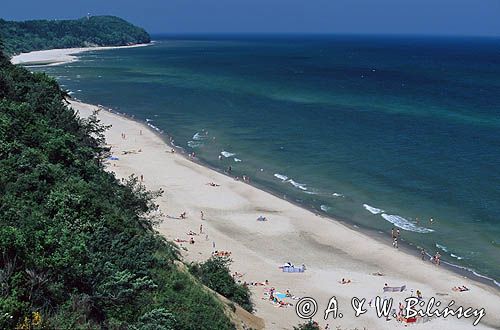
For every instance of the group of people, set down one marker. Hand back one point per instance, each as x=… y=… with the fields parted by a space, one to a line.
x=436 y=259
x=221 y=253
x=460 y=288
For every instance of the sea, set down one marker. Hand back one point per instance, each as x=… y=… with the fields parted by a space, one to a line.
x=378 y=131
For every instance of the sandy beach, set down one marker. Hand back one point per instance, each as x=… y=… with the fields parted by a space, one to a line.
x=330 y=250
x=58 y=56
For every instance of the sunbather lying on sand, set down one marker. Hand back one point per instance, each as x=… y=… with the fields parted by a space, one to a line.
x=236 y=274
x=345 y=281
x=191 y=233
x=211 y=184
x=460 y=288
x=221 y=253
x=178 y=240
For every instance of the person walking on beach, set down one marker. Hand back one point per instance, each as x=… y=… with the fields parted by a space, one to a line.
x=422 y=253
x=395 y=242
x=202 y=215
x=438 y=259
x=201 y=229
x=142 y=177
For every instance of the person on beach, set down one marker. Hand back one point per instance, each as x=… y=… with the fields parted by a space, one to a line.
x=422 y=253
x=142 y=177
x=201 y=229
x=395 y=242
x=202 y=215
x=393 y=233
x=191 y=240
x=213 y=245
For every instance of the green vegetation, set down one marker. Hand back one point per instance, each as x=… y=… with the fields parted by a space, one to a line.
x=27 y=36
x=78 y=249
x=309 y=325
x=215 y=274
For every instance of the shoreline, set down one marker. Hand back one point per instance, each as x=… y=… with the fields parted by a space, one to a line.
x=436 y=272
x=61 y=55
x=331 y=248
x=383 y=238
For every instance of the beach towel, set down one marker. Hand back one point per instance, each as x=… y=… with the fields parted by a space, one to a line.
x=394 y=288
x=279 y=295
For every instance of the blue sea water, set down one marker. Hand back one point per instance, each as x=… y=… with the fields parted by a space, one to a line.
x=379 y=130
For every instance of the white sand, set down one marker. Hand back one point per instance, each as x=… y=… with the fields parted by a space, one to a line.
x=330 y=250
x=58 y=56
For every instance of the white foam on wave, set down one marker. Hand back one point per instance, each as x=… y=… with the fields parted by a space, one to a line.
x=199 y=136
x=337 y=195
x=227 y=154
x=311 y=192
x=281 y=177
x=237 y=160
x=194 y=144
x=297 y=185
x=405 y=224
x=325 y=208
x=372 y=210
x=456 y=257
x=442 y=247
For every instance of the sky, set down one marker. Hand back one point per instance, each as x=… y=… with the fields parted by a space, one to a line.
x=424 y=17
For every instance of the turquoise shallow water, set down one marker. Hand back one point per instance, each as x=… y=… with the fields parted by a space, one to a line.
x=380 y=131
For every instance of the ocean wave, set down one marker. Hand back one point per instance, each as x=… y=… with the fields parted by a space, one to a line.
x=311 y=192
x=455 y=256
x=372 y=210
x=297 y=185
x=325 y=208
x=281 y=177
x=199 y=136
x=154 y=127
x=227 y=154
x=442 y=247
x=337 y=195
x=237 y=160
x=194 y=144
x=405 y=224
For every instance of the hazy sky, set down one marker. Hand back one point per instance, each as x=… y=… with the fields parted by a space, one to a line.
x=457 y=17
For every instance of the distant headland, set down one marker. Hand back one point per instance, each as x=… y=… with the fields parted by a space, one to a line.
x=89 y=31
